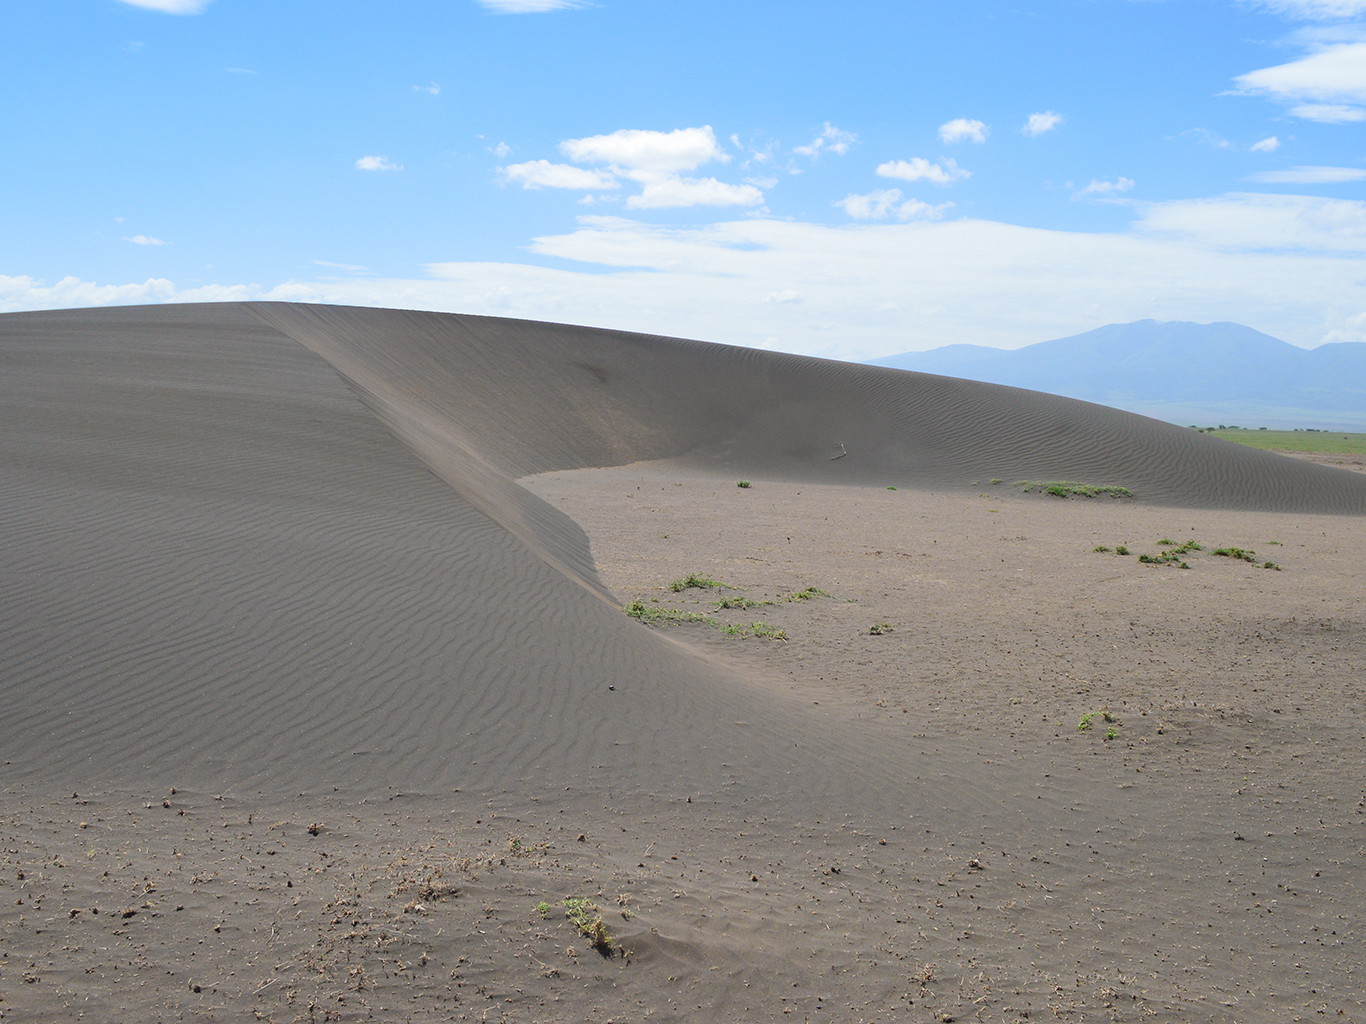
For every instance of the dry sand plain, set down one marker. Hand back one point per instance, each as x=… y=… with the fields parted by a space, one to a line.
x=320 y=700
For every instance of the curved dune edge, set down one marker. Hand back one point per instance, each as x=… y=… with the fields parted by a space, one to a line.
x=524 y=397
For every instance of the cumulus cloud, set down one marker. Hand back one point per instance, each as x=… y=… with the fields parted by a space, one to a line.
x=1329 y=85
x=920 y=169
x=172 y=6
x=961 y=128
x=1268 y=145
x=671 y=191
x=1310 y=176
x=882 y=203
x=1044 y=121
x=376 y=163
x=831 y=139
x=529 y=6
x=145 y=240
x=544 y=174
x=430 y=87
x=1105 y=188
x=681 y=150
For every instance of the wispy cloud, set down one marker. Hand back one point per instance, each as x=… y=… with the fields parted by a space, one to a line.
x=1104 y=188
x=529 y=6
x=1328 y=85
x=350 y=267
x=430 y=87
x=919 y=169
x=240 y=71
x=830 y=140
x=1206 y=136
x=376 y=163
x=1268 y=145
x=1310 y=176
x=961 y=128
x=1315 y=10
x=145 y=240
x=172 y=6
x=882 y=203
x=672 y=192
x=544 y=174
x=1044 y=121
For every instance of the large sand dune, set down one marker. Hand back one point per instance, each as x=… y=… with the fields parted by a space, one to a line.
x=286 y=560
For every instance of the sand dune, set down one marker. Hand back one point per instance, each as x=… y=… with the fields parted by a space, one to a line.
x=285 y=560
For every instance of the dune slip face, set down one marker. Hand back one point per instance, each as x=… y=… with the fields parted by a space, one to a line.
x=318 y=704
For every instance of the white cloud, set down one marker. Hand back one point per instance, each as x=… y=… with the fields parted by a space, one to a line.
x=1260 y=222
x=1316 y=10
x=501 y=150
x=1105 y=188
x=1044 y=121
x=881 y=203
x=681 y=150
x=529 y=6
x=1268 y=145
x=144 y=240
x=831 y=139
x=670 y=191
x=430 y=87
x=1329 y=85
x=239 y=71
x=920 y=169
x=172 y=6
x=876 y=205
x=544 y=174
x=1329 y=113
x=376 y=163
x=1310 y=176
x=961 y=128
x=1287 y=265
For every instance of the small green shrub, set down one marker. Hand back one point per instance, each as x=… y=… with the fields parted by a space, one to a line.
x=1111 y=733
x=878 y=628
x=1101 y=549
x=543 y=908
x=806 y=595
x=1238 y=553
x=1067 y=488
x=1271 y=565
x=742 y=483
x=739 y=602
x=1120 y=549
x=1086 y=719
x=890 y=488
x=586 y=916
x=700 y=581
x=644 y=613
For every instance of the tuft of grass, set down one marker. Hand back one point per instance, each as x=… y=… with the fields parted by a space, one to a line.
x=1271 y=565
x=995 y=480
x=1101 y=549
x=1239 y=553
x=1111 y=733
x=543 y=908
x=1120 y=549
x=743 y=483
x=762 y=629
x=1068 y=488
x=878 y=628
x=586 y=916
x=890 y=488
x=643 y=612
x=700 y=581
x=806 y=595
x=1165 y=542
x=740 y=602
x=1086 y=720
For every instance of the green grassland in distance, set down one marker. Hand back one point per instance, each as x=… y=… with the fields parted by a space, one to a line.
x=1326 y=441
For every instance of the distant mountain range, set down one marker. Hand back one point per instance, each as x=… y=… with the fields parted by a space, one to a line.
x=1187 y=373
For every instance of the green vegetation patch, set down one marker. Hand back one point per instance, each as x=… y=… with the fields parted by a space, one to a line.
x=1238 y=553
x=699 y=580
x=652 y=616
x=760 y=629
x=1336 y=442
x=586 y=916
x=806 y=595
x=1070 y=488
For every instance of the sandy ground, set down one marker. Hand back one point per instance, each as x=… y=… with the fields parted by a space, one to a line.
x=314 y=710
x=1204 y=864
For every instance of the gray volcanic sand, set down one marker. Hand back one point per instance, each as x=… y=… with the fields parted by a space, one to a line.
x=312 y=694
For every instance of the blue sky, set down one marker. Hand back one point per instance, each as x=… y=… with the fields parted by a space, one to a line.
x=847 y=180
